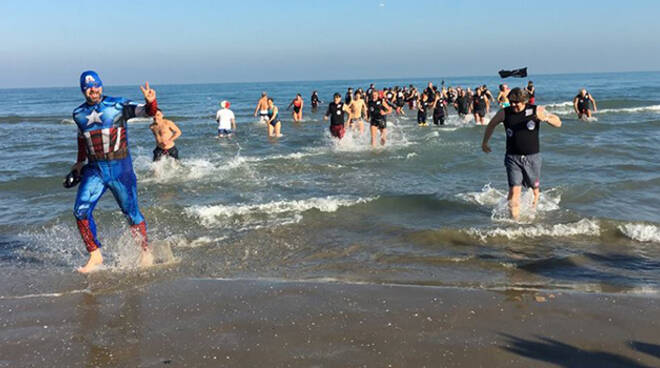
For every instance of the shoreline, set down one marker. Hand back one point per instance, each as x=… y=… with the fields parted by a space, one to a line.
x=246 y=323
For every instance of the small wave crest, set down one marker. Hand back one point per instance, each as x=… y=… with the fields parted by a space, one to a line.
x=641 y=232
x=248 y=216
x=583 y=227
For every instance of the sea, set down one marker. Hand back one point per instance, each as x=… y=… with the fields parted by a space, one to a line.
x=428 y=208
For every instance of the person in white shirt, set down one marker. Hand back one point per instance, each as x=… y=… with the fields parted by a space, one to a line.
x=226 y=120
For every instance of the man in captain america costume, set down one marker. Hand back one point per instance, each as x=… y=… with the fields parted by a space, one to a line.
x=103 y=142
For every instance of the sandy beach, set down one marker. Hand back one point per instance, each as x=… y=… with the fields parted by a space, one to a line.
x=270 y=323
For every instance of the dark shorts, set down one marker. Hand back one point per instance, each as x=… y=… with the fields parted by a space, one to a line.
x=439 y=119
x=337 y=130
x=421 y=117
x=172 y=152
x=274 y=122
x=523 y=170
x=380 y=124
x=481 y=113
x=224 y=131
x=296 y=109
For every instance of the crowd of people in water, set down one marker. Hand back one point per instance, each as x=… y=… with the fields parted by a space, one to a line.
x=357 y=107
x=104 y=162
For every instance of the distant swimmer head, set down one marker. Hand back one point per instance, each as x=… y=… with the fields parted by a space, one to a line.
x=264 y=94
x=518 y=95
x=225 y=104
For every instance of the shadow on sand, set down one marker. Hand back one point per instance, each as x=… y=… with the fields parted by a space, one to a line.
x=564 y=355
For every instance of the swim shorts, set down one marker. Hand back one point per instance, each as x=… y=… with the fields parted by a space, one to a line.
x=172 y=152
x=224 y=131
x=337 y=130
x=380 y=124
x=523 y=170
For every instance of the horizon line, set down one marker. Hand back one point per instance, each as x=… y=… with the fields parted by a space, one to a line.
x=333 y=80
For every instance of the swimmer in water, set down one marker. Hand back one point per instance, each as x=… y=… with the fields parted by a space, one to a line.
x=532 y=92
x=522 y=122
x=423 y=105
x=438 y=107
x=376 y=113
x=297 y=104
x=262 y=108
x=274 y=124
x=480 y=104
x=462 y=104
x=583 y=103
x=502 y=96
x=226 y=120
x=165 y=132
x=336 y=110
x=356 y=110
x=315 y=101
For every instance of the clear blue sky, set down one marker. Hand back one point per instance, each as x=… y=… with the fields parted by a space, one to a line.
x=48 y=43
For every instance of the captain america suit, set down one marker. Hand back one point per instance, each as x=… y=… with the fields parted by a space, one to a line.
x=103 y=142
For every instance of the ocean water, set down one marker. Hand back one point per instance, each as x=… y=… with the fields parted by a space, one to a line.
x=429 y=208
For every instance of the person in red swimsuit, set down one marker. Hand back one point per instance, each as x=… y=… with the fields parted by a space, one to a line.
x=297 y=104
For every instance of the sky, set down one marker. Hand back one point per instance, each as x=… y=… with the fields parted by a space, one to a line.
x=49 y=43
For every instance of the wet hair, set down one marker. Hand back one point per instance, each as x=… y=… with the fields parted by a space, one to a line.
x=502 y=87
x=336 y=95
x=530 y=83
x=358 y=93
x=263 y=94
x=298 y=95
x=270 y=99
x=518 y=95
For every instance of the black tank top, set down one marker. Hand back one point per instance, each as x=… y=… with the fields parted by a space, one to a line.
x=336 y=113
x=522 y=131
x=376 y=109
x=583 y=102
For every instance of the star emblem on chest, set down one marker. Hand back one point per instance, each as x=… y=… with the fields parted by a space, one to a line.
x=94 y=117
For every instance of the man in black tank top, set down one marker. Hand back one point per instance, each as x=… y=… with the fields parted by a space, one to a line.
x=522 y=160
x=583 y=103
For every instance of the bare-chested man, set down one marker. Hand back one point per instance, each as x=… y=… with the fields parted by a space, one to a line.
x=262 y=108
x=356 y=110
x=165 y=132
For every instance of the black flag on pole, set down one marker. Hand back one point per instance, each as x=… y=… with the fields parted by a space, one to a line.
x=516 y=73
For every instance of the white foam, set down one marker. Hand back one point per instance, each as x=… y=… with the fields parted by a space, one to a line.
x=140 y=120
x=641 y=232
x=267 y=214
x=652 y=108
x=491 y=197
x=168 y=170
x=583 y=227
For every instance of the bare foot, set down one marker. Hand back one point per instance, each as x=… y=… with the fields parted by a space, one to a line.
x=95 y=260
x=146 y=258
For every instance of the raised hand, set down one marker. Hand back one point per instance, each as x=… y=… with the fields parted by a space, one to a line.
x=149 y=94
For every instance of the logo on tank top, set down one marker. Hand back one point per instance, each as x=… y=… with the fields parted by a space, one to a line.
x=531 y=125
x=509 y=132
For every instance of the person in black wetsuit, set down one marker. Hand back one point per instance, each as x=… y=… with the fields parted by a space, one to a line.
x=583 y=104
x=480 y=104
x=423 y=105
x=376 y=112
x=315 y=101
x=430 y=92
x=336 y=110
x=370 y=91
x=462 y=104
x=439 y=112
x=522 y=160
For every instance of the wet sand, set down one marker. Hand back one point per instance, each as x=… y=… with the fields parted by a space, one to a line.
x=238 y=323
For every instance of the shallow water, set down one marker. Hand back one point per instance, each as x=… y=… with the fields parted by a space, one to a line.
x=429 y=208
